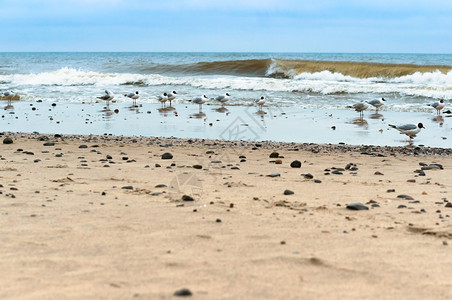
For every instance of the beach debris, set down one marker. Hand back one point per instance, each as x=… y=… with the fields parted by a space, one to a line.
x=357 y=206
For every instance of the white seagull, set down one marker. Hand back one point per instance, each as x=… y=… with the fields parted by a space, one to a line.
x=108 y=96
x=360 y=107
x=438 y=106
x=200 y=101
x=260 y=101
x=409 y=129
x=171 y=96
x=163 y=98
x=223 y=99
x=9 y=95
x=134 y=97
x=377 y=103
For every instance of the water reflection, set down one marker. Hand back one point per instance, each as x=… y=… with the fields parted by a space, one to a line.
x=199 y=115
x=376 y=116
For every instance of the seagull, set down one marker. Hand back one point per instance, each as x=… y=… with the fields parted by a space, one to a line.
x=107 y=96
x=360 y=107
x=163 y=98
x=260 y=102
x=223 y=99
x=377 y=103
x=200 y=101
x=171 y=96
x=9 y=95
x=134 y=97
x=438 y=106
x=409 y=129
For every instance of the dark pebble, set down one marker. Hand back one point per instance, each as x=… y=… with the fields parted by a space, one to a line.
x=7 y=140
x=401 y=206
x=307 y=176
x=357 y=206
x=83 y=146
x=288 y=192
x=317 y=181
x=127 y=187
x=406 y=197
x=49 y=144
x=167 y=155
x=183 y=293
x=199 y=167
x=187 y=198
x=448 y=204
x=157 y=165
x=159 y=186
x=274 y=155
x=295 y=164
x=218 y=220
x=390 y=191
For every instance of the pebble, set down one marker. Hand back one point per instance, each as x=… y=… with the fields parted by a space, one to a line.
x=406 y=197
x=307 y=176
x=127 y=187
x=82 y=146
x=49 y=144
x=274 y=175
x=159 y=186
x=187 y=198
x=278 y=161
x=274 y=155
x=295 y=164
x=401 y=206
x=357 y=206
x=448 y=204
x=378 y=173
x=7 y=140
x=197 y=167
x=167 y=155
x=183 y=293
x=288 y=192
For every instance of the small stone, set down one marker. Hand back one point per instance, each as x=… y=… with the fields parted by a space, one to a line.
x=411 y=180
x=274 y=175
x=274 y=155
x=448 y=204
x=406 y=197
x=159 y=186
x=127 y=187
x=390 y=191
x=288 y=192
x=295 y=164
x=199 y=167
x=49 y=144
x=187 y=198
x=167 y=155
x=7 y=140
x=82 y=146
x=307 y=176
x=378 y=173
x=318 y=181
x=218 y=220
x=357 y=206
x=401 y=206
x=183 y=293
x=157 y=165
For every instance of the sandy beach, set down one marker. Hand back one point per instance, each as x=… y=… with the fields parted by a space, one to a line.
x=106 y=217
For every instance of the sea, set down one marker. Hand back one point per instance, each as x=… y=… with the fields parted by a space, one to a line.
x=330 y=81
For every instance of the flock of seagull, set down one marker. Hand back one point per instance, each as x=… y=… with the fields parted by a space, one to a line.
x=170 y=96
x=408 y=129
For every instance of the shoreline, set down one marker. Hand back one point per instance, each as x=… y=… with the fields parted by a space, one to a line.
x=280 y=124
x=372 y=150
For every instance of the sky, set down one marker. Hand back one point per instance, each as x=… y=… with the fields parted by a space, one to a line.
x=376 y=26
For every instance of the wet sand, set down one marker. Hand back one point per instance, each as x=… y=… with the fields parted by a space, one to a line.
x=105 y=217
x=282 y=124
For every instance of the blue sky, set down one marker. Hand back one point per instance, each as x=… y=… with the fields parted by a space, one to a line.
x=227 y=25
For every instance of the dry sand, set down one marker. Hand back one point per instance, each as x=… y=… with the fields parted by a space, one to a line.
x=78 y=225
